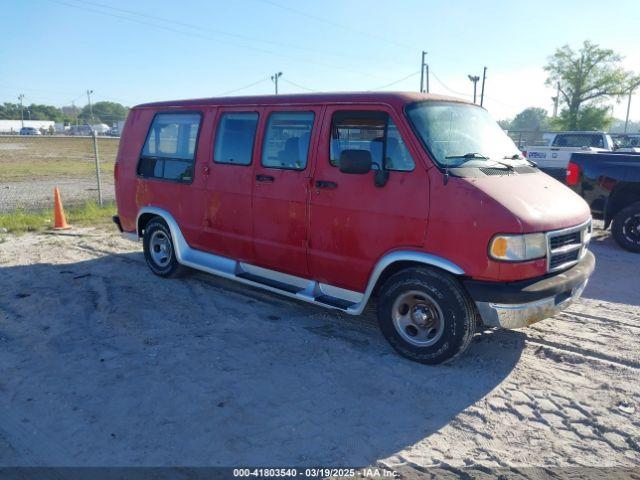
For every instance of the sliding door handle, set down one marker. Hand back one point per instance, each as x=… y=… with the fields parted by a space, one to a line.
x=265 y=178
x=326 y=184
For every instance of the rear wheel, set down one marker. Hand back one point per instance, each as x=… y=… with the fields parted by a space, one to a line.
x=159 y=250
x=426 y=315
x=626 y=227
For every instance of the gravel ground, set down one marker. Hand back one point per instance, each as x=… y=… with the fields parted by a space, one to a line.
x=105 y=364
x=38 y=193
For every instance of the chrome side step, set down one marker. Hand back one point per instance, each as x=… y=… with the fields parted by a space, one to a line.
x=311 y=291
x=335 y=302
x=270 y=282
x=292 y=286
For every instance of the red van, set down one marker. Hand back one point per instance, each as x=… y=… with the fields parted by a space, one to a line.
x=420 y=201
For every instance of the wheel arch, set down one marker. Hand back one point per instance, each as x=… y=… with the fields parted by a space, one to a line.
x=397 y=261
x=145 y=215
x=624 y=194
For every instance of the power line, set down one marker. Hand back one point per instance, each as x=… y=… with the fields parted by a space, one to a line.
x=207 y=37
x=397 y=81
x=212 y=30
x=298 y=85
x=243 y=88
x=57 y=92
x=336 y=24
x=493 y=99
x=446 y=87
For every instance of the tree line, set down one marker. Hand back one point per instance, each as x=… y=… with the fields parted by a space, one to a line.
x=103 y=112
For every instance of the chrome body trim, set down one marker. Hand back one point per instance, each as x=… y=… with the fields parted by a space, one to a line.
x=309 y=290
x=407 y=256
x=585 y=237
x=525 y=314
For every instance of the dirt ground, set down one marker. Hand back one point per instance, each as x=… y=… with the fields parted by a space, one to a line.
x=102 y=363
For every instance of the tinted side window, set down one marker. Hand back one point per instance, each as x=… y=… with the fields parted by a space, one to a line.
x=234 y=138
x=371 y=131
x=578 y=140
x=286 y=143
x=169 y=149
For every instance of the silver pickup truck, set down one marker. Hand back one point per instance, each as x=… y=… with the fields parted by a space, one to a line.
x=554 y=158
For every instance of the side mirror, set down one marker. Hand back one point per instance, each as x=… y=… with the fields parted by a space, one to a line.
x=355 y=161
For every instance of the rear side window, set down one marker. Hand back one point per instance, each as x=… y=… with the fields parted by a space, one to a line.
x=579 y=140
x=170 y=147
x=374 y=132
x=286 y=143
x=234 y=138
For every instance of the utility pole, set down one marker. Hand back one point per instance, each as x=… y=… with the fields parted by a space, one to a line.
x=484 y=78
x=75 y=112
x=89 y=92
x=423 y=67
x=21 y=97
x=427 y=75
x=631 y=89
x=475 y=79
x=556 y=99
x=274 y=79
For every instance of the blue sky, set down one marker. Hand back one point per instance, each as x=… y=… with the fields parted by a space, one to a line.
x=136 y=51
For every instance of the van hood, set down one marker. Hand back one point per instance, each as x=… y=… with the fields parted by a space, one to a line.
x=539 y=202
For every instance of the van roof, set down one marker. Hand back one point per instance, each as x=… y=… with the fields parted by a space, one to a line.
x=391 y=98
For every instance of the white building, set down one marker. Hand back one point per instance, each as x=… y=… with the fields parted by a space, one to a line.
x=14 y=126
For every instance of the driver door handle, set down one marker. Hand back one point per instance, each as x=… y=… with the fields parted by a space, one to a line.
x=265 y=178
x=326 y=184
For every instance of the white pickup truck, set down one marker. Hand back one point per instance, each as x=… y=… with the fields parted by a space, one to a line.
x=554 y=157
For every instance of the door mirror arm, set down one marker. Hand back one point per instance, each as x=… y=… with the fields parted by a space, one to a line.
x=381 y=177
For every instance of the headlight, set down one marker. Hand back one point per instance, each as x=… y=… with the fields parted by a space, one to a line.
x=518 y=248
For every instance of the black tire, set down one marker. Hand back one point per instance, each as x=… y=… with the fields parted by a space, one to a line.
x=157 y=231
x=626 y=227
x=456 y=313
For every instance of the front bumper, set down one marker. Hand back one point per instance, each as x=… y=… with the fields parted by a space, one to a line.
x=520 y=304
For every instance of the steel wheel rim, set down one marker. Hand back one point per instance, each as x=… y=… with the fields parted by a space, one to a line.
x=418 y=318
x=160 y=248
x=631 y=228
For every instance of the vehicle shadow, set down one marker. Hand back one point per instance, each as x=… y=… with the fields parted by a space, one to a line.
x=106 y=364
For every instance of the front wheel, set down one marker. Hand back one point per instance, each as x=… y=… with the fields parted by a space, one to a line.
x=626 y=227
x=426 y=315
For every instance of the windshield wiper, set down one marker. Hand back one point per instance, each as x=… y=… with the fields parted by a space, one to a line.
x=511 y=168
x=469 y=155
x=517 y=156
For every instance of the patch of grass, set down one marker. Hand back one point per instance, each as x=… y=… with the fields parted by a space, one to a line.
x=45 y=168
x=25 y=158
x=89 y=213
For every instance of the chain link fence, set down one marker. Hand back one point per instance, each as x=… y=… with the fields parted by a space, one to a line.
x=31 y=166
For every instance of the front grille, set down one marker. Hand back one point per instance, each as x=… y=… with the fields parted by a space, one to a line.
x=567 y=246
x=562 y=240
x=562 y=258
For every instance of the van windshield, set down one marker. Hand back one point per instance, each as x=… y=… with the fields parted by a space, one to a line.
x=458 y=133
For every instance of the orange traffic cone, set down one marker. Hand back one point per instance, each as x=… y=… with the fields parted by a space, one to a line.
x=59 y=220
